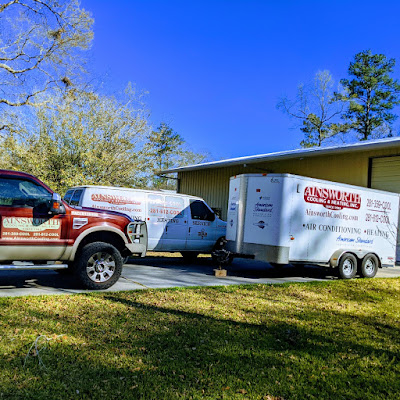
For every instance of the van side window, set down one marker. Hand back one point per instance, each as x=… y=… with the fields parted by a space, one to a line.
x=156 y=205
x=22 y=193
x=68 y=195
x=174 y=207
x=200 y=211
x=76 y=197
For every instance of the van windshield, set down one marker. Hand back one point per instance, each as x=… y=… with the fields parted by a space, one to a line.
x=68 y=195
x=73 y=197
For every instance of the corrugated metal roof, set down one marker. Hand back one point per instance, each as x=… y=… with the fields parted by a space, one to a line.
x=298 y=153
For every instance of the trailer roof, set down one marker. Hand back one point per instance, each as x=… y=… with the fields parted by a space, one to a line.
x=298 y=153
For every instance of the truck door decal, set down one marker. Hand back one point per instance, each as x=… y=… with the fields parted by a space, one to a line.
x=14 y=228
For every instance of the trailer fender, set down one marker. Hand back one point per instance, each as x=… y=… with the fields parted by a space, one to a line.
x=360 y=254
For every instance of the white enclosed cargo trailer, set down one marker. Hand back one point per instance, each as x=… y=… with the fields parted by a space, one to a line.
x=289 y=219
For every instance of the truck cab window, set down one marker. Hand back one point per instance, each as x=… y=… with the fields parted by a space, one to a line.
x=22 y=193
x=200 y=211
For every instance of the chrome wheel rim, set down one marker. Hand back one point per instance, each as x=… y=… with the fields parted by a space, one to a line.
x=369 y=266
x=100 y=267
x=348 y=267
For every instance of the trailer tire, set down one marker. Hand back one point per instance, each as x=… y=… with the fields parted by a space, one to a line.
x=347 y=266
x=369 y=266
x=99 y=266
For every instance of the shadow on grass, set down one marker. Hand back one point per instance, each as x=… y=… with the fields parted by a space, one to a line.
x=156 y=352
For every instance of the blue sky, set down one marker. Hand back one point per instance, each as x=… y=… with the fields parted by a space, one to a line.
x=215 y=70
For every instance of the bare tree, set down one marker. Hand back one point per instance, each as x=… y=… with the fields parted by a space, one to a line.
x=86 y=138
x=40 y=47
x=317 y=110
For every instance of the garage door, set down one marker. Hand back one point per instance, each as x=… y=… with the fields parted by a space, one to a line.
x=385 y=174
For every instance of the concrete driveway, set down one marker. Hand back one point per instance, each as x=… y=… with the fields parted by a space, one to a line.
x=166 y=272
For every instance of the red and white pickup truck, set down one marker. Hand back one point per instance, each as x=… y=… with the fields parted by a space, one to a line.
x=38 y=230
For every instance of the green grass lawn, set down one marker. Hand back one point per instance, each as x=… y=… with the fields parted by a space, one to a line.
x=329 y=340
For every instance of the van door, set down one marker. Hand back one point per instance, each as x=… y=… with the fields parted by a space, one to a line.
x=27 y=231
x=201 y=227
x=156 y=221
x=176 y=228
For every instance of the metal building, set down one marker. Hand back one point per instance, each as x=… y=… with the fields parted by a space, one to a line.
x=374 y=163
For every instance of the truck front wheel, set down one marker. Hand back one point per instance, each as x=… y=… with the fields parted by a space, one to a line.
x=347 y=266
x=98 y=266
x=369 y=266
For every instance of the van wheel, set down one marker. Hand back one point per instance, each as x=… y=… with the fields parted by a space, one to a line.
x=347 y=266
x=369 y=266
x=99 y=266
x=189 y=256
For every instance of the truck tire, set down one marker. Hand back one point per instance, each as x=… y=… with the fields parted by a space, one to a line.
x=189 y=256
x=99 y=266
x=347 y=266
x=369 y=266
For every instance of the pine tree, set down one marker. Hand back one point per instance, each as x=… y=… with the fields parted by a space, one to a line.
x=372 y=94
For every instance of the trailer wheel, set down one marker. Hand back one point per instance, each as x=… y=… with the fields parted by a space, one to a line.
x=347 y=266
x=369 y=266
x=99 y=266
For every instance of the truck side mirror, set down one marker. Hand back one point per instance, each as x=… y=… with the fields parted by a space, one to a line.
x=56 y=206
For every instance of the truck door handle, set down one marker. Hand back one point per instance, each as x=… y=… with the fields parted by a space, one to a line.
x=189 y=229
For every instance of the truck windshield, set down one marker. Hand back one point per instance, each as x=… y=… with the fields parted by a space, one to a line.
x=17 y=192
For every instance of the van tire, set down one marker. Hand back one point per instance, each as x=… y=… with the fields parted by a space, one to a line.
x=369 y=266
x=189 y=256
x=99 y=266
x=347 y=266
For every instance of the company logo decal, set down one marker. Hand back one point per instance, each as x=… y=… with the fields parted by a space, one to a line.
x=31 y=224
x=114 y=199
x=331 y=198
x=15 y=228
x=260 y=224
x=202 y=234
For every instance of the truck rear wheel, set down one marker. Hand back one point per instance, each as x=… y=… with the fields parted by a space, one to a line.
x=99 y=266
x=369 y=266
x=347 y=266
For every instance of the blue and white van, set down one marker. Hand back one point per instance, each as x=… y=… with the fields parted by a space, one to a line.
x=175 y=222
